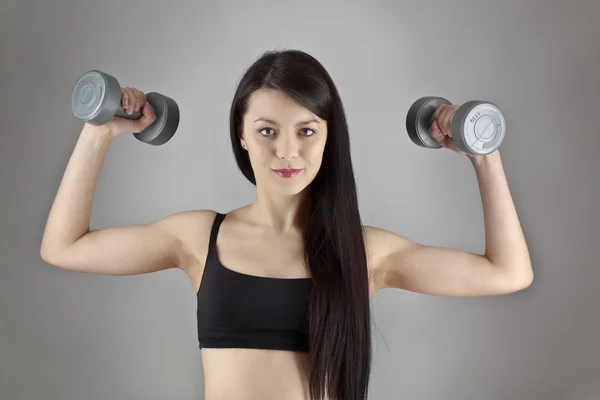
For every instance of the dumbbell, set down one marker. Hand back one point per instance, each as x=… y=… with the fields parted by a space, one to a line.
x=478 y=127
x=96 y=99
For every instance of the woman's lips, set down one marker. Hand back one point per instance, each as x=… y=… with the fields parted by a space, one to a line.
x=287 y=173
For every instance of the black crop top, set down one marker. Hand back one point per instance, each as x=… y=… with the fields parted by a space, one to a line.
x=237 y=310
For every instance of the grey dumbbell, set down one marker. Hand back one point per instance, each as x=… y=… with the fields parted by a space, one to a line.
x=96 y=99
x=478 y=127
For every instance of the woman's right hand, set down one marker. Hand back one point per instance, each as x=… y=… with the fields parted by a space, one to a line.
x=132 y=100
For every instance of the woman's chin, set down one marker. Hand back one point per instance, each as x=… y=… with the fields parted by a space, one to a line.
x=288 y=190
x=288 y=186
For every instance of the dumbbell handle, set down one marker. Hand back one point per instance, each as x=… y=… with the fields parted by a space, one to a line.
x=121 y=112
x=434 y=109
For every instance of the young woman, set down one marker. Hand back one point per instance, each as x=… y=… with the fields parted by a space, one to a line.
x=283 y=283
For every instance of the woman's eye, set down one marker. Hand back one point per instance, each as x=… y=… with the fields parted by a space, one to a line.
x=308 y=132
x=265 y=129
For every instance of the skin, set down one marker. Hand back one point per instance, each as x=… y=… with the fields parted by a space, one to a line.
x=261 y=237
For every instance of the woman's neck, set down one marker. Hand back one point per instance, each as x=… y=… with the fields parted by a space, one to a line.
x=281 y=213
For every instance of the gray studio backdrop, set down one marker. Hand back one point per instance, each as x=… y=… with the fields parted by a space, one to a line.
x=72 y=336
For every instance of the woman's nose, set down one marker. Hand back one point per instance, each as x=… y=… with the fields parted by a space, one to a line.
x=287 y=147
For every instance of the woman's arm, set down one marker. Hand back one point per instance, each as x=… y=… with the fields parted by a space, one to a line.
x=505 y=267
x=68 y=241
x=505 y=243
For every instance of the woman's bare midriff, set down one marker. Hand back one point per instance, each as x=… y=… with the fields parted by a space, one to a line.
x=250 y=374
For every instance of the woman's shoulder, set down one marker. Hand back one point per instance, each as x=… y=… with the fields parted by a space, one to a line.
x=193 y=227
x=190 y=227
x=191 y=220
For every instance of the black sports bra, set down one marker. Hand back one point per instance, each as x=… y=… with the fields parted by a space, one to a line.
x=237 y=310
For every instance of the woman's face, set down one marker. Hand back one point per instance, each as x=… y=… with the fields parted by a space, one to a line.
x=280 y=135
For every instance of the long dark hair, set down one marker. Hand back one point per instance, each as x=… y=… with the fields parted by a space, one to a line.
x=340 y=330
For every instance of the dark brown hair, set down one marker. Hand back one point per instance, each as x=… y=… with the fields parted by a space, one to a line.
x=340 y=330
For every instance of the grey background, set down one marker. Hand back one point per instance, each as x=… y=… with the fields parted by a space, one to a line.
x=66 y=335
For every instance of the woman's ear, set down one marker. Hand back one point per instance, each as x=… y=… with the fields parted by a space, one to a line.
x=241 y=137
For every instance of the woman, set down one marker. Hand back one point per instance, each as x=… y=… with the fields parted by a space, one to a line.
x=283 y=283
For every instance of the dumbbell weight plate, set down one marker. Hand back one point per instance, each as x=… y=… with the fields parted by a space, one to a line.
x=167 y=120
x=419 y=119
x=478 y=127
x=95 y=98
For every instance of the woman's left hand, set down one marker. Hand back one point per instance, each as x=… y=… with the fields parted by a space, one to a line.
x=441 y=129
